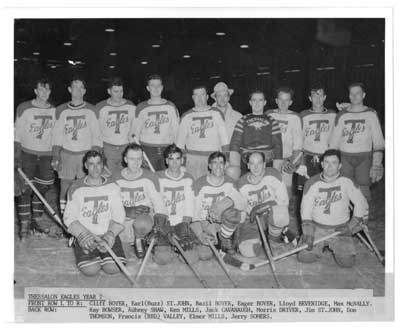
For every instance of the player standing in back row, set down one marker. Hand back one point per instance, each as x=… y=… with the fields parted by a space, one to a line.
x=76 y=131
x=292 y=137
x=358 y=136
x=33 y=132
x=115 y=118
x=156 y=123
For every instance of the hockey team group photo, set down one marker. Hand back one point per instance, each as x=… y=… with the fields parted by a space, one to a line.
x=199 y=153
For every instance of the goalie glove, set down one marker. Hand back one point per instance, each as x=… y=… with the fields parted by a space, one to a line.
x=216 y=210
x=376 y=171
x=261 y=209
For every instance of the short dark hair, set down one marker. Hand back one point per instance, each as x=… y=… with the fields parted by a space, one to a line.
x=357 y=84
x=331 y=152
x=172 y=149
x=42 y=81
x=215 y=155
x=115 y=81
x=317 y=86
x=201 y=86
x=77 y=78
x=255 y=152
x=284 y=89
x=258 y=92
x=91 y=154
x=131 y=146
x=153 y=77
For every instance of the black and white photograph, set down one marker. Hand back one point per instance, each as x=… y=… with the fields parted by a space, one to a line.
x=161 y=153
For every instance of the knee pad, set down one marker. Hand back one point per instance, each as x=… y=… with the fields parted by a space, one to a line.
x=110 y=268
x=204 y=252
x=250 y=248
x=345 y=261
x=143 y=225
x=163 y=255
x=307 y=257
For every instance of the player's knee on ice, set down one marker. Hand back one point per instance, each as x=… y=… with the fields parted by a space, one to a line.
x=163 y=255
x=142 y=225
x=91 y=269
x=345 y=261
x=250 y=248
x=110 y=268
x=205 y=252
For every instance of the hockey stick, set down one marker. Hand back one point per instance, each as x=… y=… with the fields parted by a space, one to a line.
x=117 y=261
x=146 y=257
x=268 y=252
x=144 y=155
x=244 y=266
x=221 y=262
x=58 y=220
x=359 y=235
x=376 y=250
x=53 y=214
x=182 y=252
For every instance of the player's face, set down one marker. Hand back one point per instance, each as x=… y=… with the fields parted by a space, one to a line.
x=317 y=98
x=217 y=166
x=200 y=97
x=94 y=165
x=257 y=103
x=256 y=165
x=134 y=159
x=77 y=89
x=331 y=166
x=116 y=92
x=42 y=92
x=284 y=101
x=222 y=98
x=174 y=161
x=155 y=88
x=356 y=96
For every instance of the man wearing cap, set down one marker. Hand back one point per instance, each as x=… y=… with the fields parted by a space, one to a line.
x=222 y=96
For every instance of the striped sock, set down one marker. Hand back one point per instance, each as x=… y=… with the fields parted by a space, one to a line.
x=37 y=209
x=226 y=231
x=63 y=203
x=24 y=212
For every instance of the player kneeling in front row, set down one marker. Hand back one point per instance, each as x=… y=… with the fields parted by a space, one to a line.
x=94 y=215
x=325 y=209
x=266 y=197
x=219 y=207
x=176 y=188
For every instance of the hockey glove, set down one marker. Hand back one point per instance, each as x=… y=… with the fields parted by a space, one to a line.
x=107 y=238
x=183 y=235
x=355 y=225
x=307 y=237
x=218 y=208
x=261 y=209
x=85 y=238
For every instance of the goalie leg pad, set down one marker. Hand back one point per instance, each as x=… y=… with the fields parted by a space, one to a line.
x=143 y=225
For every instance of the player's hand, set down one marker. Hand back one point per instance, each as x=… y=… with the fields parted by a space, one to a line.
x=376 y=173
x=302 y=170
x=341 y=106
x=356 y=225
x=288 y=167
x=205 y=236
x=87 y=241
x=107 y=238
x=308 y=235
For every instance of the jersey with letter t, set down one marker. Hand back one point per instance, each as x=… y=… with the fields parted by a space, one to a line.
x=94 y=206
x=156 y=124
x=143 y=190
x=202 y=131
x=269 y=189
x=290 y=125
x=177 y=195
x=77 y=128
x=206 y=194
x=34 y=128
x=115 y=121
x=317 y=130
x=328 y=203
x=357 y=132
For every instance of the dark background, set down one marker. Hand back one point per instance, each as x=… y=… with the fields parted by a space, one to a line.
x=292 y=52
